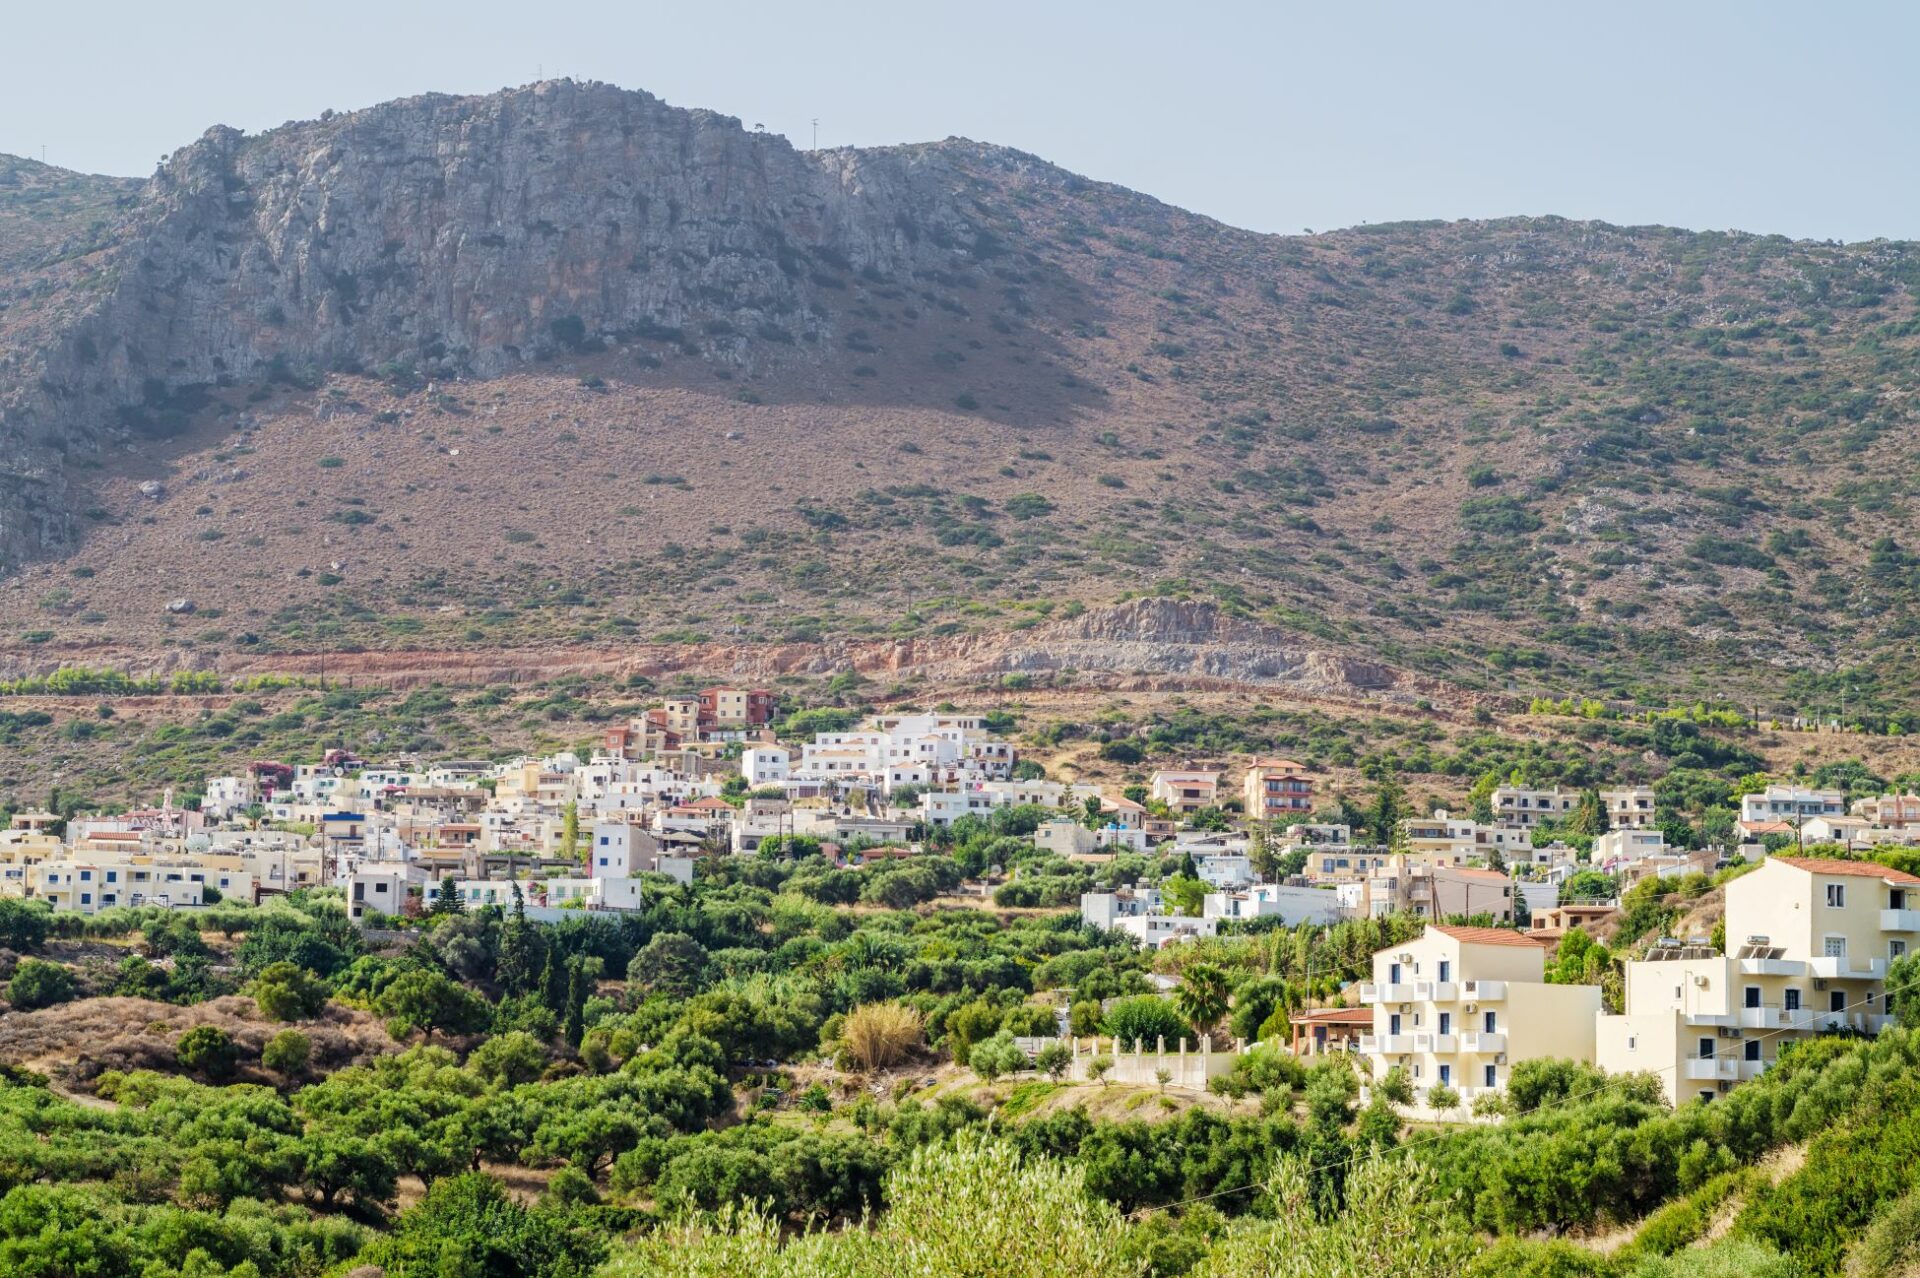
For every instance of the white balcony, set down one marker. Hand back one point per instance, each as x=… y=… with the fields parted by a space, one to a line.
x=1483 y=1042
x=1900 y=920
x=1712 y=1020
x=1440 y=1044
x=1387 y=1045
x=1484 y=991
x=1712 y=1070
x=1772 y=967
x=1750 y=1070
x=1384 y=993
x=1760 y=1018
x=1436 y=991
x=1856 y=969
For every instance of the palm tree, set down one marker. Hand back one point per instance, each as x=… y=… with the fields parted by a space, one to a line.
x=1204 y=993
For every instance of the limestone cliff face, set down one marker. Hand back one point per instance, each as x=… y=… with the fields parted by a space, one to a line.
x=472 y=235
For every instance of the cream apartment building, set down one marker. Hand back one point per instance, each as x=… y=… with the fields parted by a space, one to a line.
x=1461 y=1005
x=1810 y=941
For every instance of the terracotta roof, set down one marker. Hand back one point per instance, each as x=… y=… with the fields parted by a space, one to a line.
x=1485 y=935
x=1279 y=763
x=1766 y=827
x=1477 y=873
x=1860 y=869
x=1334 y=1015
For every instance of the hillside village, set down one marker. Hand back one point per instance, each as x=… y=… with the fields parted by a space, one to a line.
x=1486 y=906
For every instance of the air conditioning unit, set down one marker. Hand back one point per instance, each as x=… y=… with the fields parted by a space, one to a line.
x=1819 y=985
x=1499 y=1058
x=1700 y=981
x=1470 y=1009
x=1729 y=1031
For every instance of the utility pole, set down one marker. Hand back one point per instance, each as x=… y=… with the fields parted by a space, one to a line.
x=816 y=133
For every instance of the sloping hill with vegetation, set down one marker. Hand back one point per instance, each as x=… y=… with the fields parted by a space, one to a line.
x=929 y=390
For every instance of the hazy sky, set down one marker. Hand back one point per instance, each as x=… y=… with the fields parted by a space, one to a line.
x=1792 y=118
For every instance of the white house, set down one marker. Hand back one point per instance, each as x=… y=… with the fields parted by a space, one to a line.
x=765 y=765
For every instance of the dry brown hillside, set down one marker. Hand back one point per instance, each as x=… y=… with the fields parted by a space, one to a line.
x=622 y=373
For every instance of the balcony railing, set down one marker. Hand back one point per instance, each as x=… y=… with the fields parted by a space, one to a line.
x=1842 y=968
x=1712 y=1069
x=1900 y=920
x=1772 y=967
x=1483 y=1042
x=1387 y=1044
x=1387 y=993
x=1484 y=991
x=1440 y=1044
x=1436 y=991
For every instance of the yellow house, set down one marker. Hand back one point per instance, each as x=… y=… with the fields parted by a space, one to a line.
x=1460 y=1005
x=1810 y=940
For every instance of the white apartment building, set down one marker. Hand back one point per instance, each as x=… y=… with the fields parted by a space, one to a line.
x=1810 y=939
x=1291 y=905
x=1624 y=846
x=1519 y=806
x=907 y=750
x=1630 y=808
x=765 y=765
x=1461 y=1005
x=1444 y=839
x=1791 y=803
x=1139 y=915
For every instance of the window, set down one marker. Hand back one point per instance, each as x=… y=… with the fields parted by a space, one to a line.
x=1493 y=1023
x=1837 y=1001
x=1446 y=1022
x=1446 y=1075
x=1393 y=1023
x=1793 y=1000
x=1753 y=1049
x=1837 y=895
x=86 y=898
x=1446 y=970
x=1896 y=948
x=1706 y=1049
x=1633 y=1043
x=1753 y=996
x=1835 y=947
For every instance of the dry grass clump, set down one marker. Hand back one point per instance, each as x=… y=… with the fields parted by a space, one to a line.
x=882 y=1034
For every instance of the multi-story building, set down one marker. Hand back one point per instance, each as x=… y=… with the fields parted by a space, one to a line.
x=926 y=749
x=1461 y=1005
x=1444 y=839
x=1890 y=811
x=1291 y=905
x=1277 y=789
x=1343 y=864
x=1625 y=845
x=1140 y=915
x=1791 y=803
x=1407 y=885
x=733 y=708
x=1630 y=808
x=1810 y=939
x=1526 y=808
x=1186 y=791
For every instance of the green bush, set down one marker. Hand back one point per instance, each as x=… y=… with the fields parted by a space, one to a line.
x=37 y=983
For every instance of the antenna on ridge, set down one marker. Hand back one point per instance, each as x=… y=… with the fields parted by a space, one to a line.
x=816 y=133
